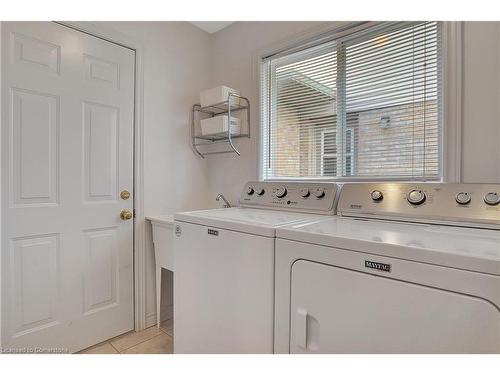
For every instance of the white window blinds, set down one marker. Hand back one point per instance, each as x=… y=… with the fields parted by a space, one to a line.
x=366 y=105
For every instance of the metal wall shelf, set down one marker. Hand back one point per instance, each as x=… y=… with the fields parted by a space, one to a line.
x=233 y=105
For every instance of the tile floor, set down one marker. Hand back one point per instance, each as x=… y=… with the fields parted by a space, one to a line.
x=149 y=341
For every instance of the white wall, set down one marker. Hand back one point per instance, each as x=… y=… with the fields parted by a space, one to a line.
x=177 y=66
x=236 y=47
x=235 y=64
x=481 y=102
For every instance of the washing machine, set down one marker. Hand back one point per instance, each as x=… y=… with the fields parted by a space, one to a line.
x=224 y=266
x=402 y=268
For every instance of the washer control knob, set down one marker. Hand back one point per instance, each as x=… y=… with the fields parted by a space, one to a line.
x=377 y=195
x=416 y=197
x=305 y=192
x=319 y=193
x=281 y=192
x=250 y=190
x=492 y=199
x=462 y=198
x=260 y=191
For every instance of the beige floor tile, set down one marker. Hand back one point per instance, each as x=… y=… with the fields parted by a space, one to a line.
x=127 y=341
x=167 y=326
x=105 y=348
x=161 y=344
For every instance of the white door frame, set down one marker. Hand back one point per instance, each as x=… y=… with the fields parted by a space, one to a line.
x=97 y=30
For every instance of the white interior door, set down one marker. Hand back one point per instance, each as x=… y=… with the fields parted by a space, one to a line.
x=67 y=153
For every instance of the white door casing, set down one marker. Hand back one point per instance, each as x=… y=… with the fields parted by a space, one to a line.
x=67 y=152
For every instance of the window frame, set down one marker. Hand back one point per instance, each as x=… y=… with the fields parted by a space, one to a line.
x=450 y=100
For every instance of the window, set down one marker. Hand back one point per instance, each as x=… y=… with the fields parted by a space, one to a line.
x=363 y=105
x=329 y=153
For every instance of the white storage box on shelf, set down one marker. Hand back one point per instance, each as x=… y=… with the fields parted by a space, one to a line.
x=219 y=124
x=218 y=95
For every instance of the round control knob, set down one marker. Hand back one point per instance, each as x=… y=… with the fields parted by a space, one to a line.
x=260 y=191
x=281 y=192
x=319 y=193
x=304 y=192
x=250 y=190
x=377 y=195
x=462 y=198
x=416 y=197
x=492 y=199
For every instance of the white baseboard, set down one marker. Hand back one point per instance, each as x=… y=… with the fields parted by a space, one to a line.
x=150 y=319
x=167 y=312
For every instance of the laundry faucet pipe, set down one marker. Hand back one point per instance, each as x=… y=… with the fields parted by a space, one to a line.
x=226 y=202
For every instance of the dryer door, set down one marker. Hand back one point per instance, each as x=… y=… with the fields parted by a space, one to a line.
x=337 y=310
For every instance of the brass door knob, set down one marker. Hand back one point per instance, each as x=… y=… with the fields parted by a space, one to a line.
x=126 y=215
x=125 y=194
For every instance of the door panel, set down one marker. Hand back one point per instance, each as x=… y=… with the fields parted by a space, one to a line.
x=337 y=310
x=35 y=53
x=101 y=146
x=102 y=72
x=101 y=276
x=67 y=151
x=34 y=135
x=35 y=299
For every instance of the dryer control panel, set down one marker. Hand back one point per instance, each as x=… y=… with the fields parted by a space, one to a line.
x=314 y=197
x=468 y=204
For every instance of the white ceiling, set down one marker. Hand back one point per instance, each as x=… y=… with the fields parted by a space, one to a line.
x=211 y=26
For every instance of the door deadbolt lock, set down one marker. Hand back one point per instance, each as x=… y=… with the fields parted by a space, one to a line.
x=126 y=215
x=125 y=194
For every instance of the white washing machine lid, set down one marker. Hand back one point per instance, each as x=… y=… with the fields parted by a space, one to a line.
x=463 y=248
x=262 y=222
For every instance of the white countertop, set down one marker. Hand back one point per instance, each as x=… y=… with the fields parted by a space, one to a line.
x=161 y=219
